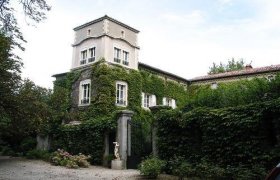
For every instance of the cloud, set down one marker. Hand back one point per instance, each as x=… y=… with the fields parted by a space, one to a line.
x=193 y=18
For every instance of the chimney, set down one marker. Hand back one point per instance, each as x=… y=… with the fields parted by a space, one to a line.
x=248 y=67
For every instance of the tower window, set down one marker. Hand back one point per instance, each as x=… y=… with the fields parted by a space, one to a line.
x=125 y=58
x=122 y=34
x=117 y=55
x=89 y=32
x=91 y=52
x=83 y=57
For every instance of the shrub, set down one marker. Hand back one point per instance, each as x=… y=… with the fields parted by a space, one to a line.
x=38 y=154
x=28 y=144
x=151 y=167
x=211 y=171
x=7 y=151
x=63 y=158
x=184 y=169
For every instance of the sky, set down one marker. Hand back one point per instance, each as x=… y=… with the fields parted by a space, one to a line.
x=183 y=37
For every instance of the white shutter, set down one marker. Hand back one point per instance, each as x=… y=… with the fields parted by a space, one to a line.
x=164 y=101
x=173 y=102
x=153 y=100
x=143 y=96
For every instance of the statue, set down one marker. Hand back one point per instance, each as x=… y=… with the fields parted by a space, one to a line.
x=116 y=150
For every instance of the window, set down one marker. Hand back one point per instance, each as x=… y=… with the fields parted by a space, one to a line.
x=125 y=58
x=83 y=57
x=270 y=77
x=91 y=52
x=148 y=100
x=89 y=32
x=214 y=85
x=85 y=92
x=117 y=55
x=169 y=102
x=121 y=93
x=122 y=34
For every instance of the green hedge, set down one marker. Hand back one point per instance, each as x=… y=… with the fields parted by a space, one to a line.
x=86 y=138
x=237 y=136
x=235 y=93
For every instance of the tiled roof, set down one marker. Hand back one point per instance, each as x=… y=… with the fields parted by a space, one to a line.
x=244 y=72
x=145 y=66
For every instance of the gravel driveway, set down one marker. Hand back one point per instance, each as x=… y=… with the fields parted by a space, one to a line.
x=19 y=168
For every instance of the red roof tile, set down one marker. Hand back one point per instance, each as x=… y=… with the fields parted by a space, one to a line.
x=244 y=72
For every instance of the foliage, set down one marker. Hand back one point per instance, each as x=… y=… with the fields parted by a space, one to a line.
x=38 y=154
x=88 y=137
x=232 y=65
x=27 y=144
x=9 y=82
x=151 y=167
x=63 y=158
x=85 y=138
x=240 y=136
x=30 y=114
x=235 y=93
x=32 y=9
x=179 y=167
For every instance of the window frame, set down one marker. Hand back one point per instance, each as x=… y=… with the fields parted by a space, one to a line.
x=91 y=59
x=117 y=59
x=85 y=93
x=83 y=60
x=167 y=101
x=124 y=96
x=125 y=60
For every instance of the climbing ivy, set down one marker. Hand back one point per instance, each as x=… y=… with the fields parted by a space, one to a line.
x=234 y=137
x=102 y=106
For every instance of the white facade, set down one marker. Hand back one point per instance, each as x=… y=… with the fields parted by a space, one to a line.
x=105 y=35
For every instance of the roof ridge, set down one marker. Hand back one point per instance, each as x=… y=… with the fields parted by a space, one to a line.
x=109 y=18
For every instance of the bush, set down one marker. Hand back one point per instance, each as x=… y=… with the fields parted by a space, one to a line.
x=151 y=167
x=183 y=169
x=38 y=154
x=27 y=144
x=63 y=158
x=7 y=151
x=206 y=170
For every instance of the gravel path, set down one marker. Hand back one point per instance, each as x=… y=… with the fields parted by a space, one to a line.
x=19 y=168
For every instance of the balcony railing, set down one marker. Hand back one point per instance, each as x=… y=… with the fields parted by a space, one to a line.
x=121 y=102
x=91 y=59
x=84 y=61
x=85 y=101
x=125 y=63
x=117 y=60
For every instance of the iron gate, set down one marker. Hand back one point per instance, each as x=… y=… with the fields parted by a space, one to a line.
x=139 y=143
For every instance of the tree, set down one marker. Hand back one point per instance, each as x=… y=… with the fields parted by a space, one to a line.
x=9 y=81
x=22 y=106
x=35 y=10
x=232 y=65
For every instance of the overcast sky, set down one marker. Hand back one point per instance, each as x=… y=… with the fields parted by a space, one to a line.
x=180 y=36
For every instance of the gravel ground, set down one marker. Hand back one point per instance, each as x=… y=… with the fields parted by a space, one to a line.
x=19 y=168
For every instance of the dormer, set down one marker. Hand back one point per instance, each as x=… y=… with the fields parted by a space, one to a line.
x=108 y=38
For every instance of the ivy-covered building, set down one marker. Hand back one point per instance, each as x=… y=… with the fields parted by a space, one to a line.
x=106 y=77
x=112 y=43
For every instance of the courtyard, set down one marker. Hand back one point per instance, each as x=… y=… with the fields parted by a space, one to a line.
x=20 y=168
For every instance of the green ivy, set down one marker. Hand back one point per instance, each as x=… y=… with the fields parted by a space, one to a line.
x=235 y=136
x=77 y=139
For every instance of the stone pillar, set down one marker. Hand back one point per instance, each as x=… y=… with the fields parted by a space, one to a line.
x=155 y=110
x=106 y=149
x=43 y=142
x=122 y=134
x=154 y=139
